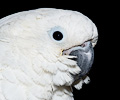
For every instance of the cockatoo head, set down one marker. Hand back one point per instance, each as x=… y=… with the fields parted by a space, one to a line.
x=69 y=38
x=58 y=41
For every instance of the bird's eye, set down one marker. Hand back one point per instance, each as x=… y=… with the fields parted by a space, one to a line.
x=57 y=35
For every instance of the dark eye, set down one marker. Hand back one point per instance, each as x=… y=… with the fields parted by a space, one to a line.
x=57 y=35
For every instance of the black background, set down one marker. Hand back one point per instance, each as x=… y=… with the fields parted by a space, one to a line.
x=104 y=15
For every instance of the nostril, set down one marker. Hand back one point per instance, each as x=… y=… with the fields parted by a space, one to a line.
x=83 y=45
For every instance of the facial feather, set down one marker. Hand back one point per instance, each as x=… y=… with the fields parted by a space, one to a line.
x=31 y=59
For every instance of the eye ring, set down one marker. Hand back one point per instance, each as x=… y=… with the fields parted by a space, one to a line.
x=57 y=34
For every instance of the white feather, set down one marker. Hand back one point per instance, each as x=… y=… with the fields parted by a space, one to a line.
x=62 y=78
x=13 y=91
x=31 y=64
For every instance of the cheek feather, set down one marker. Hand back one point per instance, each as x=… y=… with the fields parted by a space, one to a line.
x=66 y=67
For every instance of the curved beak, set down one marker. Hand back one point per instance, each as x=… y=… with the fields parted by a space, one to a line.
x=85 y=57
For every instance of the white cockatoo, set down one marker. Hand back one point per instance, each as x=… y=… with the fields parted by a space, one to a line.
x=44 y=53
